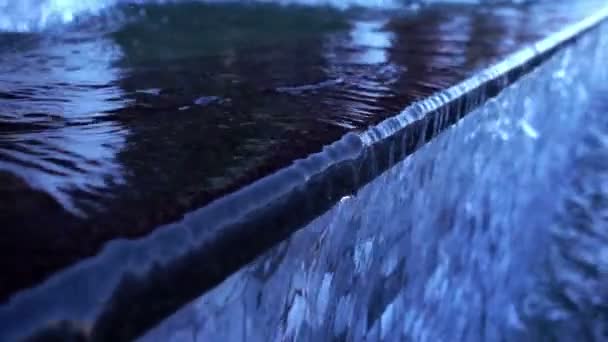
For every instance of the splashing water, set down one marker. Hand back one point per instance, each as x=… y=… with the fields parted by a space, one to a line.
x=31 y=15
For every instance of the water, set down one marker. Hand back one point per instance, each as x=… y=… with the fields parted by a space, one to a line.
x=116 y=123
x=116 y=119
x=495 y=231
x=32 y=15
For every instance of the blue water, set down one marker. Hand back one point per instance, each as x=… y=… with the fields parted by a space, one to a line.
x=495 y=231
x=32 y=15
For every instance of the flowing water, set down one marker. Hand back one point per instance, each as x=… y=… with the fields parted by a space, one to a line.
x=495 y=231
x=123 y=116
x=119 y=116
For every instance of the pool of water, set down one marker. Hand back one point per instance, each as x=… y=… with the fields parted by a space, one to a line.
x=116 y=119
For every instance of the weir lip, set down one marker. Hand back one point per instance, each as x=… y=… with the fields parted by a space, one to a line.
x=131 y=285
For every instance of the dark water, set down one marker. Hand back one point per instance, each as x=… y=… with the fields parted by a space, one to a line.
x=493 y=231
x=115 y=124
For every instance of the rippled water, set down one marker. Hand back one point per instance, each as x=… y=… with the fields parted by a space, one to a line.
x=116 y=118
x=32 y=15
x=495 y=231
x=115 y=123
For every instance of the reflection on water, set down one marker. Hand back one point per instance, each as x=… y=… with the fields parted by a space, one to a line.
x=54 y=96
x=373 y=40
x=130 y=124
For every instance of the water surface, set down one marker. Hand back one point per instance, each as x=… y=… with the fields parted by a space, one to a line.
x=115 y=123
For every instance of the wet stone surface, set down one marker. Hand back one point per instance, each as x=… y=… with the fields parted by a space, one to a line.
x=116 y=124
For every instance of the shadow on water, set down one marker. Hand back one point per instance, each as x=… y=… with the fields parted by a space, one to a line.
x=121 y=123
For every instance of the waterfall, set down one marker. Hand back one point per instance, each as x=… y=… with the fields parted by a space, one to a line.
x=466 y=240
